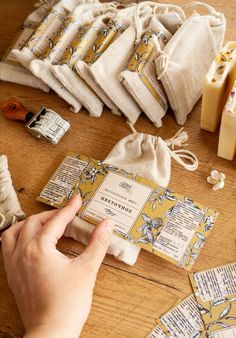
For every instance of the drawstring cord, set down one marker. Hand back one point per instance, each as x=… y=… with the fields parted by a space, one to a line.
x=179 y=155
x=209 y=8
x=163 y=7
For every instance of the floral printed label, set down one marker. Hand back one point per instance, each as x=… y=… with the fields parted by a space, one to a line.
x=81 y=44
x=141 y=209
x=105 y=37
x=183 y=320
x=215 y=291
x=143 y=62
x=119 y=198
x=62 y=42
x=45 y=33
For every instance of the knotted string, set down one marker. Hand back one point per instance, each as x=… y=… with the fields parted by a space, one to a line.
x=179 y=140
x=179 y=155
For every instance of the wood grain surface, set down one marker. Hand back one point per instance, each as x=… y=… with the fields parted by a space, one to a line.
x=127 y=300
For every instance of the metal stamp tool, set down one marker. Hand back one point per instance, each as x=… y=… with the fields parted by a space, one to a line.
x=46 y=124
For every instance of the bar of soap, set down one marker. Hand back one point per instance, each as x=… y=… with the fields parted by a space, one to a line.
x=218 y=83
x=227 y=140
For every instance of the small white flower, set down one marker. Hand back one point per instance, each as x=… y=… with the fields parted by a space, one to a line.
x=216 y=179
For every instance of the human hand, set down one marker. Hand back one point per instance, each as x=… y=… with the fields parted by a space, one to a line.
x=53 y=292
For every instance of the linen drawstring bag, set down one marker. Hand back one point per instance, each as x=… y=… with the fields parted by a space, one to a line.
x=140 y=78
x=10 y=209
x=145 y=155
x=10 y=69
x=65 y=70
x=109 y=65
x=184 y=62
x=42 y=68
x=118 y=23
x=42 y=37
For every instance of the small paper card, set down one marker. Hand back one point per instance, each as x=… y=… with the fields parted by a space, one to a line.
x=157 y=332
x=165 y=223
x=215 y=291
x=183 y=320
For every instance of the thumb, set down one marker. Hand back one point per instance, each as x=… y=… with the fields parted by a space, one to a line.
x=99 y=242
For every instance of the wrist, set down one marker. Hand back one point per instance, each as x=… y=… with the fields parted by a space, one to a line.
x=48 y=331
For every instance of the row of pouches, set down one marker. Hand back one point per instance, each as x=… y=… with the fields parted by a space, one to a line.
x=104 y=54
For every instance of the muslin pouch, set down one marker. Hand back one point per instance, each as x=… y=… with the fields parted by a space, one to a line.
x=42 y=68
x=65 y=70
x=10 y=209
x=140 y=77
x=183 y=63
x=10 y=69
x=115 y=59
x=148 y=156
x=106 y=36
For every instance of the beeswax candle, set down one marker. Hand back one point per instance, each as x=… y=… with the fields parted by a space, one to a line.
x=227 y=140
x=218 y=84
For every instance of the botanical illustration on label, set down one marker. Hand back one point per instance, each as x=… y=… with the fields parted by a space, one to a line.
x=105 y=37
x=163 y=222
x=183 y=320
x=215 y=291
x=143 y=62
x=81 y=44
x=46 y=33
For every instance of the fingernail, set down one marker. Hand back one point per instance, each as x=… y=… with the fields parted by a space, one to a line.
x=109 y=225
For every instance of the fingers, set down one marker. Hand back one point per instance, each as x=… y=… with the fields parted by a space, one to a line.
x=33 y=225
x=10 y=237
x=55 y=227
x=99 y=243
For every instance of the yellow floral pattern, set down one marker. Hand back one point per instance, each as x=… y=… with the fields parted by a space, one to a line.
x=154 y=215
x=105 y=37
x=46 y=33
x=145 y=52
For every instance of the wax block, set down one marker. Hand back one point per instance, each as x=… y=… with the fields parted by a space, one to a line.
x=218 y=84
x=227 y=139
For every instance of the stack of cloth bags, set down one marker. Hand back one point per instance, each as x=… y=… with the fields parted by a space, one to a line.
x=132 y=58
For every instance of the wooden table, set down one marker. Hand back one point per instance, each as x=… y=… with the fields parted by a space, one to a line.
x=127 y=300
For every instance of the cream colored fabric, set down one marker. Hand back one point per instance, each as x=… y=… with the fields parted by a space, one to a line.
x=10 y=209
x=115 y=59
x=43 y=68
x=123 y=18
x=61 y=10
x=107 y=68
x=185 y=60
x=18 y=74
x=149 y=95
x=9 y=69
x=141 y=154
x=76 y=85
x=145 y=155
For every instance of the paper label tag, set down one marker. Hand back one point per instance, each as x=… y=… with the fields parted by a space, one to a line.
x=179 y=229
x=143 y=62
x=45 y=33
x=155 y=218
x=183 y=320
x=105 y=37
x=157 y=333
x=62 y=181
x=119 y=198
x=215 y=291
